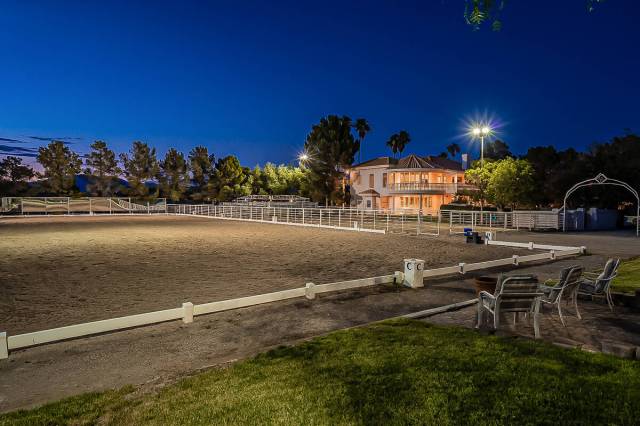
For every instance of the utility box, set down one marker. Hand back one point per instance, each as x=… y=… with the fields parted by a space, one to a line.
x=413 y=273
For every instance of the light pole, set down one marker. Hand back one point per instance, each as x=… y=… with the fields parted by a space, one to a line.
x=481 y=132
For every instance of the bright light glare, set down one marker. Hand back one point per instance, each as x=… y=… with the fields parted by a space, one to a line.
x=303 y=157
x=481 y=130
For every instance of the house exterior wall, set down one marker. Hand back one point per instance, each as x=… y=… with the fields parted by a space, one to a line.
x=394 y=189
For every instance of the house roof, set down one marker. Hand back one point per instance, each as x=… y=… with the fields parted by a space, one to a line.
x=380 y=161
x=370 y=192
x=413 y=161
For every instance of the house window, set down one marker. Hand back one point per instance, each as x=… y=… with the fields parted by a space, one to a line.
x=384 y=180
x=368 y=204
x=429 y=202
x=371 y=180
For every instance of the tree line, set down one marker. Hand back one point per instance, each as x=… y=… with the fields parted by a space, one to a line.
x=537 y=179
x=541 y=177
x=198 y=176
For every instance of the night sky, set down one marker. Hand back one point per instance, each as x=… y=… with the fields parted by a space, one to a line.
x=251 y=78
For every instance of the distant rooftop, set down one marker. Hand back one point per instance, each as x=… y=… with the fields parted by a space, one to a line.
x=413 y=161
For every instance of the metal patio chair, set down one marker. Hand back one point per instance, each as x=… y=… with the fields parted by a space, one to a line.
x=566 y=289
x=517 y=294
x=599 y=285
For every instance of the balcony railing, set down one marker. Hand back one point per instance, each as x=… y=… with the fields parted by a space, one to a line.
x=446 y=188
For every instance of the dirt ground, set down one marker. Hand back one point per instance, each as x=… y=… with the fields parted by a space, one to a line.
x=58 y=271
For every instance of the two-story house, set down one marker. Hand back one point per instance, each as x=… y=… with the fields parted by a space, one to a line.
x=410 y=183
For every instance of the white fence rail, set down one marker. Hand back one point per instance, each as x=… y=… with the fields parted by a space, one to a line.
x=80 y=205
x=458 y=220
x=385 y=221
x=345 y=219
x=188 y=310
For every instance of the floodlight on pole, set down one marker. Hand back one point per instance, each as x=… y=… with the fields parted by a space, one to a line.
x=480 y=131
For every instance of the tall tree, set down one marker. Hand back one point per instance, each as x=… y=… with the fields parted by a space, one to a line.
x=202 y=169
x=103 y=165
x=453 y=149
x=14 y=176
x=497 y=150
x=479 y=175
x=403 y=140
x=174 y=175
x=331 y=148
x=511 y=183
x=398 y=141
x=231 y=179
x=140 y=166
x=392 y=143
x=60 y=167
x=362 y=128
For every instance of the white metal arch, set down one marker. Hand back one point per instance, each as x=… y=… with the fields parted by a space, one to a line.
x=601 y=179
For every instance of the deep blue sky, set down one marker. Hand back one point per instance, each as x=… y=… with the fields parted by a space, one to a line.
x=250 y=78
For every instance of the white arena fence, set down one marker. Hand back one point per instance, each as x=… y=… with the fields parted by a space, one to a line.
x=385 y=221
x=188 y=310
x=377 y=221
x=458 y=220
x=80 y=205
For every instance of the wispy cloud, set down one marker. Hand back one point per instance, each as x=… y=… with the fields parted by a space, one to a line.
x=18 y=151
x=66 y=139
x=10 y=140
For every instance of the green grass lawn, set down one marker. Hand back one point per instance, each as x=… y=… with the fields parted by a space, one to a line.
x=628 y=279
x=394 y=372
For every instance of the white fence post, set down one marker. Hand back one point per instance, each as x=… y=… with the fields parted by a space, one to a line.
x=4 y=349
x=310 y=291
x=187 y=316
x=413 y=273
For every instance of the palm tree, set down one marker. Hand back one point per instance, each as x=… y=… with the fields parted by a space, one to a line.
x=362 y=127
x=393 y=144
x=453 y=149
x=403 y=140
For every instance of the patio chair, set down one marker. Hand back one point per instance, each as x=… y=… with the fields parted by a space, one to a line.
x=599 y=285
x=566 y=288
x=515 y=294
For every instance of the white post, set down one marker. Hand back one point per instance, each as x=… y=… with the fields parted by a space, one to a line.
x=303 y=215
x=339 y=215
x=310 y=291
x=413 y=273
x=187 y=316
x=320 y=217
x=4 y=349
